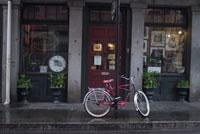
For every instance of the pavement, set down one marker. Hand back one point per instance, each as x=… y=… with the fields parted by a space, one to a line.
x=65 y=116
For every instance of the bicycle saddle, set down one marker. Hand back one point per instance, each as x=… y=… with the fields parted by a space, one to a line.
x=108 y=81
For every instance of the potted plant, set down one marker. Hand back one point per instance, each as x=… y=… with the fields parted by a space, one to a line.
x=149 y=83
x=23 y=86
x=183 y=89
x=57 y=84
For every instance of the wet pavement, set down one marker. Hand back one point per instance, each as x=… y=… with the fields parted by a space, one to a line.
x=49 y=116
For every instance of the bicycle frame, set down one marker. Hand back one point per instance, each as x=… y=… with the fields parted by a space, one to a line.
x=109 y=90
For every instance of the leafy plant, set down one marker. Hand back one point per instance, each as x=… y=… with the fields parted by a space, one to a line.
x=57 y=80
x=183 y=84
x=149 y=80
x=24 y=82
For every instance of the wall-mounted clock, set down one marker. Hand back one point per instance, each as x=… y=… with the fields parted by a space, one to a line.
x=57 y=63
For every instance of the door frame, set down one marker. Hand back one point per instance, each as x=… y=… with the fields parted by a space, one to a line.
x=126 y=25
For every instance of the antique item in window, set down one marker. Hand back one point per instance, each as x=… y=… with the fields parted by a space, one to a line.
x=57 y=63
x=158 y=38
x=97 y=47
x=172 y=41
x=97 y=60
x=156 y=55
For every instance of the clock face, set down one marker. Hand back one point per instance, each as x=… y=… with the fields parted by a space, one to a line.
x=57 y=63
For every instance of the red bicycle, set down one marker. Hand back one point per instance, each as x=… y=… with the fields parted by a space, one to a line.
x=99 y=101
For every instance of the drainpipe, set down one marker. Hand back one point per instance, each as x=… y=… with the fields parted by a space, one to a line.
x=8 y=53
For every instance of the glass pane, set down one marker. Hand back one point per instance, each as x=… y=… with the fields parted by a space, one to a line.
x=41 y=42
x=158 y=16
x=179 y=17
x=165 y=49
x=170 y=16
x=51 y=12
x=106 y=16
x=39 y=12
x=94 y=15
x=62 y=13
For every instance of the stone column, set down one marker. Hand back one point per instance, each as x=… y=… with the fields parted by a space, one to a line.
x=195 y=62
x=75 y=49
x=15 y=45
x=136 y=63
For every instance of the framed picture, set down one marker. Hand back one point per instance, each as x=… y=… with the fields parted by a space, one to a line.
x=172 y=42
x=157 y=38
x=97 y=47
x=157 y=52
x=144 y=59
x=145 y=46
x=146 y=32
x=97 y=60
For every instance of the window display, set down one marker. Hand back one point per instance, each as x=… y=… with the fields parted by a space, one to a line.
x=165 y=48
x=44 y=40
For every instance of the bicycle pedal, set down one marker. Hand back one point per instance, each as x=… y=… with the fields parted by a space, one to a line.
x=117 y=98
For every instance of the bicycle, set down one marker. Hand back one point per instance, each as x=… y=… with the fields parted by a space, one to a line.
x=99 y=101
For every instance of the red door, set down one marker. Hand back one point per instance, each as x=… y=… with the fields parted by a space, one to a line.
x=101 y=54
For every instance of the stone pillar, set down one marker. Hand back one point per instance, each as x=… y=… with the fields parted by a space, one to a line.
x=75 y=49
x=136 y=62
x=15 y=45
x=195 y=62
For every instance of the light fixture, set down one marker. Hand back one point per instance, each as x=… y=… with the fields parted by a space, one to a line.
x=180 y=32
x=168 y=35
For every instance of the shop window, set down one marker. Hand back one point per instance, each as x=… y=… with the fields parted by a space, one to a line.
x=45 y=12
x=103 y=16
x=164 y=48
x=43 y=41
x=165 y=44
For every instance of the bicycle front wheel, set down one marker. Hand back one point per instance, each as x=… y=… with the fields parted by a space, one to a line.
x=97 y=103
x=142 y=103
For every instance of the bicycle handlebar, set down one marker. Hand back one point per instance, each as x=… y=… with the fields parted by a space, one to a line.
x=126 y=78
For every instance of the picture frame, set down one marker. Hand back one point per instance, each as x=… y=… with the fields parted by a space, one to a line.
x=146 y=32
x=172 y=42
x=158 y=38
x=144 y=59
x=156 y=55
x=97 y=47
x=97 y=60
x=145 y=46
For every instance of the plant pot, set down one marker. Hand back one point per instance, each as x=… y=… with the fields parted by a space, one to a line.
x=149 y=93
x=23 y=95
x=56 y=94
x=183 y=93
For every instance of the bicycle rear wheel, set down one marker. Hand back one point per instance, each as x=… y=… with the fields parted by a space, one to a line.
x=97 y=103
x=142 y=103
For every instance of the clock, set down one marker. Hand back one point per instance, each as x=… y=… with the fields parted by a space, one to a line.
x=57 y=63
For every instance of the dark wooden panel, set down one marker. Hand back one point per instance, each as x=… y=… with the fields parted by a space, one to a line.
x=40 y=91
x=167 y=89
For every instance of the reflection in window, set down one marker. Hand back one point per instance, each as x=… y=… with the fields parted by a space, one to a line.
x=41 y=41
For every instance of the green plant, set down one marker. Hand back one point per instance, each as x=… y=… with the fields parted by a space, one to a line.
x=149 y=80
x=24 y=82
x=183 y=84
x=57 y=80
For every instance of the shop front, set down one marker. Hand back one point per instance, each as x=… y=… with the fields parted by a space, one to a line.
x=166 y=48
x=44 y=47
x=101 y=45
